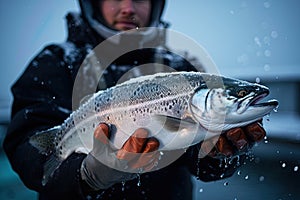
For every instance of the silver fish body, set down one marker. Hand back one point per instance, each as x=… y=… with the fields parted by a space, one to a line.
x=180 y=109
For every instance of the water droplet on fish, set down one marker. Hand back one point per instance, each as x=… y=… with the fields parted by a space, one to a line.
x=246 y=177
x=201 y=190
x=283 y=165
x=226 y=183
x=277 y=151
x=296 y=168
x=239 y=172
x=222 y=175
x=261 y=178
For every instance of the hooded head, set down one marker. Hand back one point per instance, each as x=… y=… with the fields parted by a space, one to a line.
x=91 y=11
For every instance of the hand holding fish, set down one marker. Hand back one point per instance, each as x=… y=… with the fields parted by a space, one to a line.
x=138 y=152
x=234 y=141
x=221 y=156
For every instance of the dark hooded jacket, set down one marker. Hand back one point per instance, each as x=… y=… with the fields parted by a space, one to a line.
x=43 y=99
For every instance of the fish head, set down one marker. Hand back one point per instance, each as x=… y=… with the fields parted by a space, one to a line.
x=223 y=103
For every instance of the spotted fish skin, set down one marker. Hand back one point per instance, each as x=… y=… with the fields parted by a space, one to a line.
x=175 y=107
x=129 y=106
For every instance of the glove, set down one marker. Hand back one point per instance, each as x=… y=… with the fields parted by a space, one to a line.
x=105 y=165
x=234 y=141
x=221 y=156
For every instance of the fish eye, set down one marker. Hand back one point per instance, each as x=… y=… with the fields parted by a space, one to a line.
x=242 y=93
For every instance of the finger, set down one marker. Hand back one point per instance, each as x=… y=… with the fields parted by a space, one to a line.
x=135 y=144
x=255 y=132
x=101 y=133
x=238 y=138
x=148 y=156
x=151 y=145
x=224 y=147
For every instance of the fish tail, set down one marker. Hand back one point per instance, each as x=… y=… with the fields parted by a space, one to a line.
x=50 y=166
x=45 y=142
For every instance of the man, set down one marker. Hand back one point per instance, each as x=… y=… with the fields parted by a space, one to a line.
x=43 y=99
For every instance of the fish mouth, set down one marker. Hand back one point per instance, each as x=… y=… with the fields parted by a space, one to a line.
x=271 y=103
x=253 y=102
x=249 y=110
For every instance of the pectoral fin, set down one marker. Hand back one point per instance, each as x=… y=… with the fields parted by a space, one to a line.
x=174 y=124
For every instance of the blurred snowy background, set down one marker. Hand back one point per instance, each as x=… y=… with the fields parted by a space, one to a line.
x=257 y=40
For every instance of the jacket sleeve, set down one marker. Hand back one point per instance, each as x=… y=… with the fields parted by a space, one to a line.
x=42 y=99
